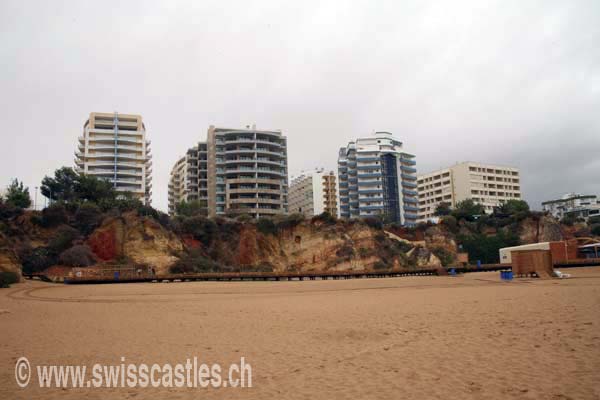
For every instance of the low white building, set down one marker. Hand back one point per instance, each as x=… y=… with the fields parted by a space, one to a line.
x=485 y=184
x=314 y=192
x=573 y=204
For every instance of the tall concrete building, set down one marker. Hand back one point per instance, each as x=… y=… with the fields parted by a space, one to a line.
x=314 y=192
x=114 y=147
x=378 y=177
x=244 y=171
x=189 y=181
x=485 y=184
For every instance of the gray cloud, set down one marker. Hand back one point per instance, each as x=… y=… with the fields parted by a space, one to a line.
x=510 y=82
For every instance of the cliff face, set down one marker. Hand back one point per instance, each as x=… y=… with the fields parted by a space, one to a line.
x=307 y=247
x=8 y=259
x=544 y=229
x=138 y=239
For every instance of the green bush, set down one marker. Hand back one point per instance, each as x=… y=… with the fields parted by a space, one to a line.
x=450 y=223
x=244 y=218
x=373 y=222
x=380 y=266
x=594 y=220
x=445 y=256
x=486 y=248
x=345 y=252
x=266 y=226
x=88 y=217
x=8 y=211
x=290 y=221
x=195 y=261
x=54 y=215
x=36 y=259
x=63 y=239
x=201 y=228
x=8 y=278
x=325 y=217
x=78 y=256
x=365 y=252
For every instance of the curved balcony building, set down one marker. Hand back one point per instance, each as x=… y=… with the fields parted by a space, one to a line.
x=247 y=172
x=377 y=178
x=114 y=147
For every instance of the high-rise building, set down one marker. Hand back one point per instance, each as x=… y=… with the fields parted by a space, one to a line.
x=377 y=177
x=188 y=181
x=114 y=147
x=573 y=204
x=485 y=184
x=244 y=172
x=314 y=192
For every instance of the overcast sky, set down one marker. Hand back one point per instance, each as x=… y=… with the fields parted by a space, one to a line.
x=507 y=82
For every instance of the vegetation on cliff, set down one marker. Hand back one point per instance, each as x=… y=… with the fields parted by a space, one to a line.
x=88 y=224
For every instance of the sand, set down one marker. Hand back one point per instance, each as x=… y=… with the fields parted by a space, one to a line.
x=402 y=338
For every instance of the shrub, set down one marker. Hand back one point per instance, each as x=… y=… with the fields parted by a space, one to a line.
x=147 y=211
x=78 y=256
x=373 y=222
x=595 y=230
x=266 y=226
x=380 y=237
x=365 y=252
x=486 y=248
x=88 y=217
x=445 y=256
x=244 y=218
x=290 y=221
x=201 y=228
x=7 y=278
x=36 y=259
x=594 y=220
x=325 y=217
x=449 y=222
x=345 y=252
x=402 y=246
x=380 y=265
x=194 y=262
x=8 y=210
x=63 y=239
x=54 y=215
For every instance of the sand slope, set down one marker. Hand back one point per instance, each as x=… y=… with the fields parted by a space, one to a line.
x=414 y=338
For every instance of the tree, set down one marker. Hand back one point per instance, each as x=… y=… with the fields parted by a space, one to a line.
x=442 y=209
x=467 y=209
x=90 y=188
x=18 y=195
x=512 y=207
x=62 y=186
x=191 y=208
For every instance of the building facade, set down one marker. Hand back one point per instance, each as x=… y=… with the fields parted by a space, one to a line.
x=114 y=147
x=485 y=184
x=378 y=178
x=239 y=171
x=189 y=180
x=573 y=204
x=314 y=192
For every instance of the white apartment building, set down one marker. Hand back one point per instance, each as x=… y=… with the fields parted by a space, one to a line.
x=189 y=180
x=485 y=184
x=114 y=147
x=575 y=204
x=312 y=193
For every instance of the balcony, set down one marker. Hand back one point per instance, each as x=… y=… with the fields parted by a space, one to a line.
x=409 y=192
x=367 y=176
x=408 y=169
x=409 y=184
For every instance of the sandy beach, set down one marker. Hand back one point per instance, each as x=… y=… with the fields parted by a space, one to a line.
x=415 y=338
